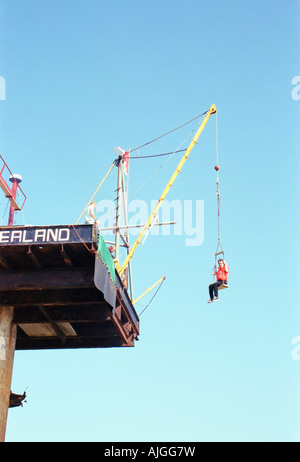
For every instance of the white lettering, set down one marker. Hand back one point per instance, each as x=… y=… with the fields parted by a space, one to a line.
x=139 y=218
x=152 y=453
x=61 y=233
x=40 y=234
x=24 y=238
x=52 y=235
x=16 y=235
x=198 y=230
x=116 y=452
x=4 y=236
x=172 y=451
x=166 y=207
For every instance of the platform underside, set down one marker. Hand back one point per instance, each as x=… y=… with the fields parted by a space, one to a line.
x=62 y=293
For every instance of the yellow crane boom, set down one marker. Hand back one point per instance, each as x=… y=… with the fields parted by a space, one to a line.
x=148 y=290
x=212 y=110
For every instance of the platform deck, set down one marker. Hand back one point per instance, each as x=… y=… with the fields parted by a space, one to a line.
x=62 y=293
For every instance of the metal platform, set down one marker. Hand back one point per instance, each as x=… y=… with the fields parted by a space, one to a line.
x=62 y=293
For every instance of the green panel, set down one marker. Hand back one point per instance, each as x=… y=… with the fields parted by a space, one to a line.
x=106 y=257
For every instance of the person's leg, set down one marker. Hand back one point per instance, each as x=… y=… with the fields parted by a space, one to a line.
x=215 y=289
x=211 y=291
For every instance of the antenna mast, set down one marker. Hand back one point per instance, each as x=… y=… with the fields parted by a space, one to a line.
x=11 y=192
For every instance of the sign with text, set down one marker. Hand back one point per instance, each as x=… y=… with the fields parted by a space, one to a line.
x=42 y=235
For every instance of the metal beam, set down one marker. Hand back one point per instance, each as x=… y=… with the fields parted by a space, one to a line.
x=57 y=278
x=71 y=342
x=50 y=297
x=83 y=313
x=55 y=326
x=112 y=228
x=8 y=333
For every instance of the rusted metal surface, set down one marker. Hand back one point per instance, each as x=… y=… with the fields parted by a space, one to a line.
x=60 y=290
x=7 y=350
x=16 y=400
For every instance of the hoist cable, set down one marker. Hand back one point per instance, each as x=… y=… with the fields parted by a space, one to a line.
x=217 y=168
x=219 y=249
x=156 y=155
x=152 y=297
x=167 y=133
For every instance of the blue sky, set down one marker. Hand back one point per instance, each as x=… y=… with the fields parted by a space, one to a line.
x=83 y=77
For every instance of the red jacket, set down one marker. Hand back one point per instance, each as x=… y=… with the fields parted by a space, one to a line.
x=222 y=275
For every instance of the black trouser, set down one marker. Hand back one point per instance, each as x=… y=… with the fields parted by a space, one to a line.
x=214 y=288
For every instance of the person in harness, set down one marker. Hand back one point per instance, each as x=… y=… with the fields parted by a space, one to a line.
x=222 y=278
